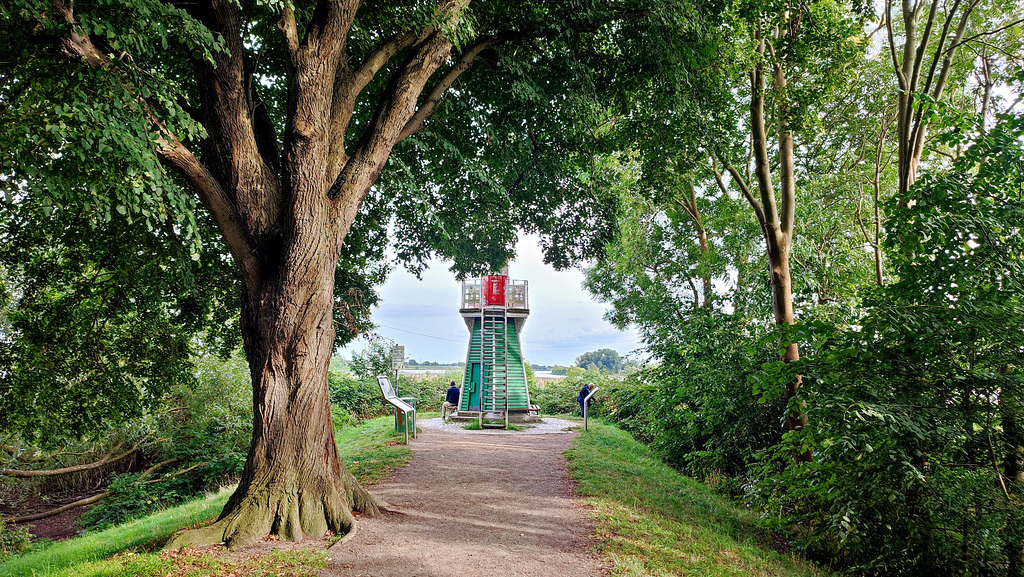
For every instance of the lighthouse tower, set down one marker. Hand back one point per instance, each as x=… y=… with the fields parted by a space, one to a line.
x=494 y=388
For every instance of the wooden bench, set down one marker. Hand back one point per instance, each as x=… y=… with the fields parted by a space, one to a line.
x=389 y=396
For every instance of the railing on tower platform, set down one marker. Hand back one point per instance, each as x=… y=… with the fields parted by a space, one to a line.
x=516 y=294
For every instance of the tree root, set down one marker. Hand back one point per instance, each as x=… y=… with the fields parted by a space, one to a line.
x=291 y=515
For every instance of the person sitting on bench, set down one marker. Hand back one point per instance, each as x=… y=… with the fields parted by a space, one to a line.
x=451 y=401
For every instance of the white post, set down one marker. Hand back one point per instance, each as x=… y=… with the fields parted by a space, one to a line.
x=586 y=405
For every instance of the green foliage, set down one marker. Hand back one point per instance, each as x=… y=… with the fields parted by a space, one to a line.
x=915 y=413
x=13 y=540
x=696 y=408
x=368 y=451
x=129 y=499
x=653 y=521
x=606 y=360
x=361 y=397
x=517 y=143
x=428 y=390
x=375 y=360
x=84 y=139
x=558 y=397
x=203 y=430
x=103 y=320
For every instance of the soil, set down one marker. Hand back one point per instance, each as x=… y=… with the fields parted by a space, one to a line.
x=58 y=527
x=492 y=503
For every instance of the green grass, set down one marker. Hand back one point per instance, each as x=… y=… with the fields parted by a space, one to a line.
x=141 y=534
x=371 y=451
x=650 y=520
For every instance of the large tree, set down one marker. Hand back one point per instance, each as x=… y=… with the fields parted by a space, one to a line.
x=279 y=118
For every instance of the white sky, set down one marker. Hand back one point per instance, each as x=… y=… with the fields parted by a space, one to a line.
x=565 y=322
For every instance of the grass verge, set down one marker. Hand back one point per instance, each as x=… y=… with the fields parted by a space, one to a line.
x=371 y=451
x=651 y=521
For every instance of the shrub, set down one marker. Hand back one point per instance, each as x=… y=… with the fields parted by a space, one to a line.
x=203 y=430
x=361 y=399
x=13 y=540
x=559 y=397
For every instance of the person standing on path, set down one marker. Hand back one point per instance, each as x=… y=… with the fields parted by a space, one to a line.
x=582 y=397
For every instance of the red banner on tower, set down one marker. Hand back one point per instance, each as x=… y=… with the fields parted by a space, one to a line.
x=494 y=290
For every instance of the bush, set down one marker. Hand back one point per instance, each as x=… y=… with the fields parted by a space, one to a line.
x=13 y=540
x=696 y=409
x=361 y=398
x=916 y=413
x=429 y=390
x=559 y=397
x=204 y=428
x=131 y=499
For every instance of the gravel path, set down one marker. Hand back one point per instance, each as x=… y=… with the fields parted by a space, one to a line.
x=475 y=503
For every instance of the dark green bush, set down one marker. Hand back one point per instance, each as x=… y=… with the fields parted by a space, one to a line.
x=429 y=389
x=558 y=397
x=13 y=540
x=130 y=499
x=361 y=398
x=915 y=414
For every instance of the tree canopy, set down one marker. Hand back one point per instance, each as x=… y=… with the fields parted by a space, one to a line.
x=607 y=360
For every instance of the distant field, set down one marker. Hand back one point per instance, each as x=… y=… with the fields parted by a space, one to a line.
x=428 y=370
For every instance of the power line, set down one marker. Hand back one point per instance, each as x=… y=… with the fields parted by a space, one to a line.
x=423 y=334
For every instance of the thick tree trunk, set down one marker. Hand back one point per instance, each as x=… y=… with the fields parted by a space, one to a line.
x=293 y=483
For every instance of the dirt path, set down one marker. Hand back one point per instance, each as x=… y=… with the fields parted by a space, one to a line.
x=475 y=503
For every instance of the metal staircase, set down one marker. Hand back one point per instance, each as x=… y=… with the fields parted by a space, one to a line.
x=494 y=360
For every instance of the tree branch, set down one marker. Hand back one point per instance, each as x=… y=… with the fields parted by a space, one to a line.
x=892 y=46
x=217 y=201
x=347 y=87
x=100 y=496
x=171 y=151
x=396 y=107
x=291 y=35
x=464 y=63
x=956 y=45
x=22 y=474
x=744 y=189
x=59 y=510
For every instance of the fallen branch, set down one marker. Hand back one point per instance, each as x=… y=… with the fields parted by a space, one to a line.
x=65 y=470
x=59 y=510
x=100 y=496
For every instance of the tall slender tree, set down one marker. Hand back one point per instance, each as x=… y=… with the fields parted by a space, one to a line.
x=795 y=53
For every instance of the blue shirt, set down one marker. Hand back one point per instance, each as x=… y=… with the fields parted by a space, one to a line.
x=453 y=395
x=583 y=394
